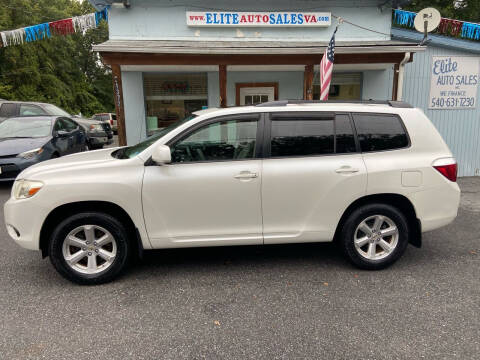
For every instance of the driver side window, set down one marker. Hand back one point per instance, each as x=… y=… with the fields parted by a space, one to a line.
x=233 y=139
x=59 y=125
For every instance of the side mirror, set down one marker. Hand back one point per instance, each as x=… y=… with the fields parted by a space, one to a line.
x=161 y=155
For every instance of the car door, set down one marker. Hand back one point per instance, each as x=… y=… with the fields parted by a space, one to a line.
x=210 y=193
x=313 y=173
x=76 y=135
x=61 y=137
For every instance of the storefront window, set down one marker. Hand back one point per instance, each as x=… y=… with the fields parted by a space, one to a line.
x=171 y=97
x=343 y=87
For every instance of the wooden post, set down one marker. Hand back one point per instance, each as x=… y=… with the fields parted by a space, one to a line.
x=223 y=85
x=119 y=108
x=308 y=82
x=395 y=82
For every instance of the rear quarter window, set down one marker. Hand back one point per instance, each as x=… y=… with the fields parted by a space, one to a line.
x=8 y=109
x=379 y=132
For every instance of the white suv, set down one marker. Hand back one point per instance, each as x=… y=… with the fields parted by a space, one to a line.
x=371 y=176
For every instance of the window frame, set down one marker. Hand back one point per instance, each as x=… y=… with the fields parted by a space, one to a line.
x=306 y=115
x=259 y=141
x=402 y=124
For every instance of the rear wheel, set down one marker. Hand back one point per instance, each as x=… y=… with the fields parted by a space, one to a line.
x=374 y=236
x=89 y=248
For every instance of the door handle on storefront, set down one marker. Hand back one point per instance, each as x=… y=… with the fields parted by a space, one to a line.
x=246 y=175
x=346 y=170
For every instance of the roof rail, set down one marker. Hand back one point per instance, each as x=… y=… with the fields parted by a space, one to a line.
x=394 y=104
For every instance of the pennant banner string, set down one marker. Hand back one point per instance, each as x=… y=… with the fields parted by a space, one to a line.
x=60 y=27
x=447 y=26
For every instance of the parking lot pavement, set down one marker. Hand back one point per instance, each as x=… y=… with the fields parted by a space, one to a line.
x=275 y=302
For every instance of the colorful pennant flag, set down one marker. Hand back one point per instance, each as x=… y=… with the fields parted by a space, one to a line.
x=85 y=22
x=37 y=32
x=13 y=37
x=62 y=27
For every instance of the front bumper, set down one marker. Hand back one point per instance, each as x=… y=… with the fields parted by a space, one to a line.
x=24 y=222
x=11 y=167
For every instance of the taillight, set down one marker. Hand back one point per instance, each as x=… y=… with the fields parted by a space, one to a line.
x=111 y=122
x=447 y=167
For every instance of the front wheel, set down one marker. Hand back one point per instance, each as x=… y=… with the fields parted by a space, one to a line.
x=89 y=248
x=374 y=236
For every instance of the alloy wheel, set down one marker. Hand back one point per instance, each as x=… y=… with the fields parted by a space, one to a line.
x=89 y=249
x=376 y=237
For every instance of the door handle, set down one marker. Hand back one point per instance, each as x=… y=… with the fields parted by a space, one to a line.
x=346 y=170
x=246 y=175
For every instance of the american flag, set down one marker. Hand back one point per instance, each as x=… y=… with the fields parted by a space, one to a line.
x=326 y=68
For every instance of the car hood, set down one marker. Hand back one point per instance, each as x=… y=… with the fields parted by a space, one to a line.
x=80 y=161
x=14 y=147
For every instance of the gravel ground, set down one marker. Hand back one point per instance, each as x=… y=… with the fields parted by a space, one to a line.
x=275 y=302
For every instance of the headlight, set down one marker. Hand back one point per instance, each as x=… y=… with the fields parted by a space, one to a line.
x=31 y=153
x=96 y=128
x=23 y=189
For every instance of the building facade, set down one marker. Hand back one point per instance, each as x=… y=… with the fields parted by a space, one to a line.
x=170 y=59
x=459 y=127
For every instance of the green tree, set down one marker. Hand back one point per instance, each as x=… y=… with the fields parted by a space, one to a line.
x=62 y=70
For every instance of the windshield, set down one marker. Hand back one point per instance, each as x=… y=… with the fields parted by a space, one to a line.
x=131 y=151
x=54 y=110
x=25 y=128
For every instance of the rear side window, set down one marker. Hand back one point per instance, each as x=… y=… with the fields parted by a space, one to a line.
x=8 y=110
x=301 y=137
x=316 y=135
x=377 y=132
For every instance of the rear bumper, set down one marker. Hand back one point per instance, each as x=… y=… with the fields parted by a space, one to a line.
x=436 y=207
x=98 y=140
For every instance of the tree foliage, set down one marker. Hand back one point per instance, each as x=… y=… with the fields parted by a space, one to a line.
x=465 y=10
x=62 y=70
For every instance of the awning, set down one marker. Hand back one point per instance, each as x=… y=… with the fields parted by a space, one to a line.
x=252 y=47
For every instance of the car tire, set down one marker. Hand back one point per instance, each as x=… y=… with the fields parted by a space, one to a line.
x=89 y=248
x=374 y=236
